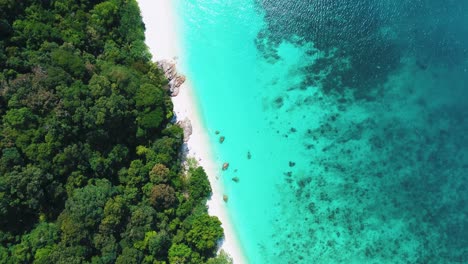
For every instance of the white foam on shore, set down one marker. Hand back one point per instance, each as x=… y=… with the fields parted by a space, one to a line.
x=162 y=39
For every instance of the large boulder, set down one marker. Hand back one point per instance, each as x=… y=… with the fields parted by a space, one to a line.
x=175 y=79
x=179 y=80
x=186 y=125
x=169 y=68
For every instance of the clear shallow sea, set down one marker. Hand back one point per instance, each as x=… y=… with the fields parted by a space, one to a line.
x=355 y=115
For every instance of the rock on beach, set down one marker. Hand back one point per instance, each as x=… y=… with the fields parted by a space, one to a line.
x=175 y=79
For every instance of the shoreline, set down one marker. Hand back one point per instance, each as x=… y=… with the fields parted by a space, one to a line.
x=159 y=19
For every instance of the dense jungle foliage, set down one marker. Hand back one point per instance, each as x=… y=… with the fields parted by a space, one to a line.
x=90 y=168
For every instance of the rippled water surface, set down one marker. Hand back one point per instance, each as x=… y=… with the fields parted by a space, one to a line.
x=345 y=123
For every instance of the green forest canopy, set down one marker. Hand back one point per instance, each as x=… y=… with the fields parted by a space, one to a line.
x=90 y=168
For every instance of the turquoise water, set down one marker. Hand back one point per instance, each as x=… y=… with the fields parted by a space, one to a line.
x=345 y=122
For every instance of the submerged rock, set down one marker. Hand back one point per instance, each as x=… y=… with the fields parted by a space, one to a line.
x=249 y=155
x=217 y=132
x=292 y=164
x=279 y=102
x=221 y=139
x=225 y=198
x=235 y=179
x=225 y=165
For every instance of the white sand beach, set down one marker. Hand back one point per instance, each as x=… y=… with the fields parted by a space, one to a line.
x=163 y=41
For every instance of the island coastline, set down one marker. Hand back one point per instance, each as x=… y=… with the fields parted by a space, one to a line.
x=163 y=42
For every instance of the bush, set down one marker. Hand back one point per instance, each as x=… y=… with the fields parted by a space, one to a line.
x=198 y=185
x=162 y=196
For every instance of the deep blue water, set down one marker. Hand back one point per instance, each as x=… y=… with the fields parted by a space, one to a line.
x=355 y=115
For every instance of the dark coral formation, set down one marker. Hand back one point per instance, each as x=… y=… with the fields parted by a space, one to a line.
x=388 y=185
x=359 y=43
x=381 y=125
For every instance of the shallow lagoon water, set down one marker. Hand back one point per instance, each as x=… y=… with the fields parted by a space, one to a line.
x=345 y=122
